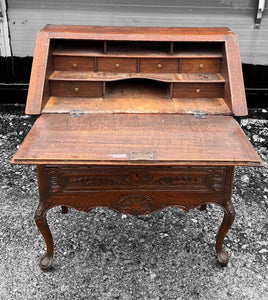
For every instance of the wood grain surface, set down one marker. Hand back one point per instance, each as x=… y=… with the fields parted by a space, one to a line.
x=159 y=65
x=38 y=74
x=74 y=63
x=125 y=65
x=111 y=76
x=236 y=81
x=109 y=139
x=132 y=105
x=76 y=89
x=198 y=90
x=137 y=33
x=200 y=65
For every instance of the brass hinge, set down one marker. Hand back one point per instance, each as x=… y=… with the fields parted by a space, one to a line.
x=200 y=114
x=76 y=113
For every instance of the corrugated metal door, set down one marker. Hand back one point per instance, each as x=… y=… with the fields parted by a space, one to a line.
x=27 y=17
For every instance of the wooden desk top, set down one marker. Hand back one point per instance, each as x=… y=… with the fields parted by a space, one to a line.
x=113 y=138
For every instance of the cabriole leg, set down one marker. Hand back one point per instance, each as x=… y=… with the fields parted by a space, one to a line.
x=41 y=222
x=228 y=219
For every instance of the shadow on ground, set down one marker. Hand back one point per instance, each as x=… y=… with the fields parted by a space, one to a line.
x=106 y=255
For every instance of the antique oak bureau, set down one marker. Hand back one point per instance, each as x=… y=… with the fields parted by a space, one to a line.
x=135 y=119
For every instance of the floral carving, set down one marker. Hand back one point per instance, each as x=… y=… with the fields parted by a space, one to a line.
x=135 y=204
x=61 y=180
x=94 y=181
x=134 y=179
x=55 y=180
x=216 y=179
x=177 y=180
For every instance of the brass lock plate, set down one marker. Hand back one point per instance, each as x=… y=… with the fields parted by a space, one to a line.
x=141 y=156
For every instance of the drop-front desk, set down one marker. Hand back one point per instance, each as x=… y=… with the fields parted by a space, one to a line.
x=135 y=119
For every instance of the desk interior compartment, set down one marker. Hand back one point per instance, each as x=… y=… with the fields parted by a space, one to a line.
x=69 y=47
x=138 y=48
x=144 y=89
x=198 y=49
x=93 y=71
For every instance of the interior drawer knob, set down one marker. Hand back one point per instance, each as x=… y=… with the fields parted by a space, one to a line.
x=117 y=65
x=159 y=66
x=76 y=89
x=197 y=91
x=74 y=65
x=201 y=66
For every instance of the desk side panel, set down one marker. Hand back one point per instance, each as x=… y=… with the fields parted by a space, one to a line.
x=38 y=92
x=235 y=76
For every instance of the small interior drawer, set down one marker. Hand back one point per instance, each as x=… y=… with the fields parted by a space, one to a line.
x=198 y=90
x=117 y=65
x=74 y=63
x=200 y=65
x=75 y=89
x=159 y=65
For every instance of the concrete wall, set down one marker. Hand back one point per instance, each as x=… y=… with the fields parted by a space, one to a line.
x=27 y=17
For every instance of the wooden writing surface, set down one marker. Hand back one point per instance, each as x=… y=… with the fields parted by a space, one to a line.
x=110 y=138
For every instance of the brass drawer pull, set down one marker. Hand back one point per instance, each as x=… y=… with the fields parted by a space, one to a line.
x=76 y=89
x=201 y=66
x=159 y=66
x=197 y=91
x=117 y=65
x=74 y=65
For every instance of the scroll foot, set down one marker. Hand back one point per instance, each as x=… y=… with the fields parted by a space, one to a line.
x=228 y=219
x=223 y=258
x=41 y=222
x=64 y=209
x=46 y=261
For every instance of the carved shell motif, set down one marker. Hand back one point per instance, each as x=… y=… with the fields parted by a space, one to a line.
x=135 y=204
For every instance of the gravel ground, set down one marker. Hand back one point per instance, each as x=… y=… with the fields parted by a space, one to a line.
x=106 y=255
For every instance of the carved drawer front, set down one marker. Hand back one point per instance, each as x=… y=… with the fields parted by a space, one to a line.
x=200 y=65
x=117 y=65
x=159 y=65
x=75 y=89
x=88 y=179
x=198 y=90
x=74 y=63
